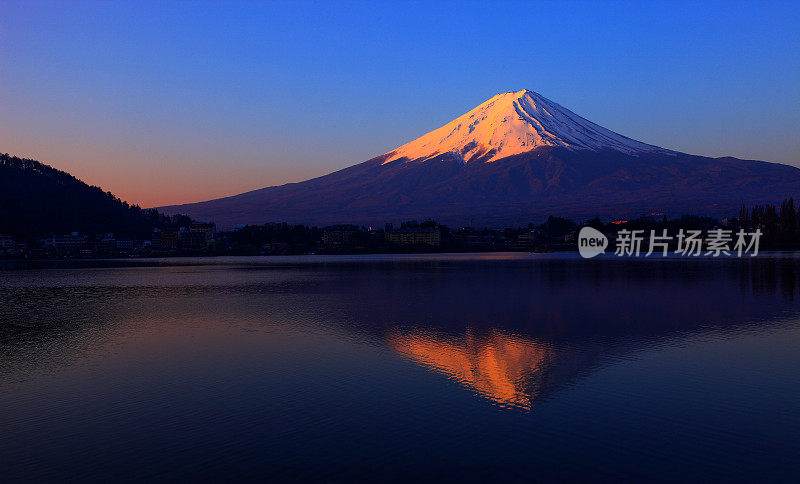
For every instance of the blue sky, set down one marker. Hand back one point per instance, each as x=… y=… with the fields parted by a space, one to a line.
x=166 y=102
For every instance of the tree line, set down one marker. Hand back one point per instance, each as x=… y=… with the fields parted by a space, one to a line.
x=780 y=225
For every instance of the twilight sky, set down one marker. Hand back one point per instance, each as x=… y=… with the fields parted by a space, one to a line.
x=172 y=102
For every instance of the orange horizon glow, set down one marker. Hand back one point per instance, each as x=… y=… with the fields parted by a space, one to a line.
x=150 y=181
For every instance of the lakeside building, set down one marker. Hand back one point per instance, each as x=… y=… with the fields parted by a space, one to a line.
x=125 y=244
x=69 y=242
x=7 y=243
x=340 y=236
x=414 y=236
x=10 y=246
x=527 y=237
x=209 y=230
x=192 y=240
x=105 y=243
x=168 y=240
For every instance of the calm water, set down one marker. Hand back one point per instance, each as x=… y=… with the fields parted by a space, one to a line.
x=493 y=366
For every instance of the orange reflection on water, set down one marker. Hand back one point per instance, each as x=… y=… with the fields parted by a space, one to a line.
x=499 y=366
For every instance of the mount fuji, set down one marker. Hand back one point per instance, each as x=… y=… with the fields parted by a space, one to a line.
x=516 y=158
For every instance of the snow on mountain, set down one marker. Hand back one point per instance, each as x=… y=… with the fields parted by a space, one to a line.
x=512 y=123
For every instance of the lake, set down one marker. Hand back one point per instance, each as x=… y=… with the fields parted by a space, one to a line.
x=527 y=367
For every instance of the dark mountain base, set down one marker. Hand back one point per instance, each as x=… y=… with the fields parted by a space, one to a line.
x=514 y=190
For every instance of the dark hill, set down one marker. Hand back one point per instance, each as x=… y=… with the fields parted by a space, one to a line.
x=37 y=199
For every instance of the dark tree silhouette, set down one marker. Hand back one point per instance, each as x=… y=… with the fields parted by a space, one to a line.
x=36 y=200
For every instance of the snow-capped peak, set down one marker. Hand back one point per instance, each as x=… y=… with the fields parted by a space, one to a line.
x=512 y=123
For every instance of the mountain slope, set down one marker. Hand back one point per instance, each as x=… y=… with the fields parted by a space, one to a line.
x=515 y=158
x=37 y=199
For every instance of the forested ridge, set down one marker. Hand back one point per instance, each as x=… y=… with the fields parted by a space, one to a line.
x=37 y=199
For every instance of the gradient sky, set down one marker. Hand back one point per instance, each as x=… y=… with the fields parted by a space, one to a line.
x=172 y=102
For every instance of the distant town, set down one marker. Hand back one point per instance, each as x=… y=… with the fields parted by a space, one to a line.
x=197 y=239
x=185 y=237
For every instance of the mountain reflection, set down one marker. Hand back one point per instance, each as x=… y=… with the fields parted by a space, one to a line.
x=512 y=328
x=499 y=366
